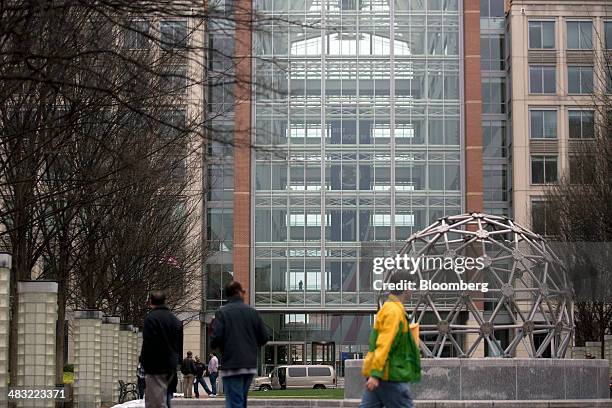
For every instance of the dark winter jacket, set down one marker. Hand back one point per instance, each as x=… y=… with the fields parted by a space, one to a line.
x=162 y=341
x=238 y=332
x=188 y=366
x=200 y=369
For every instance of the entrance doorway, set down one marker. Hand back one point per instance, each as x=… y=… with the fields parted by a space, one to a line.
x=324 y=352
x=283 y=353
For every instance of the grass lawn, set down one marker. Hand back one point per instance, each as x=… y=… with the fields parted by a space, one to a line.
x=337 y=393
x=68 y=377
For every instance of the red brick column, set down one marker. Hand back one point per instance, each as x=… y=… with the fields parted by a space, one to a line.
x=473 y=106
x=242 y=148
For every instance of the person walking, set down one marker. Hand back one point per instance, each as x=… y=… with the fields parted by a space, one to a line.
x=393 y=359
x=171 y=389
x=238 y=333
x=140 y=378
x=188 y=369
x=213 y=373
x=199 y=378
x=162 y=342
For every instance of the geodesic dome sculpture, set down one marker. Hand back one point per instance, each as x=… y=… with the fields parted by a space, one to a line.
x=527 y=304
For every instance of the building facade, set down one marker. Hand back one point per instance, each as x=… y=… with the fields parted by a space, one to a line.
x=560 y=58
x=355 y=124
x=358 y=122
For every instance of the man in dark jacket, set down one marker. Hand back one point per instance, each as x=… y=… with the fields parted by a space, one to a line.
x=162 y=343
x=188 y=369
x=238 y=332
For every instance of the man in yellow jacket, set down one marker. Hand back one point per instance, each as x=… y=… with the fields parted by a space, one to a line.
x=393 y=359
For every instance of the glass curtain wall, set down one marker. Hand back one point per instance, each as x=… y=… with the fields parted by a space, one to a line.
x=358 y=141
x=496 y=134
x=220 y=161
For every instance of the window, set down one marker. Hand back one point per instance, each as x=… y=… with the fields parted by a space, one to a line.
x=541 y=217
x=173 y=34
x=579 y=79
x=492 y=8
x=492 y=13
x=174 y=80
x=319 y=371
x=578 y=169
x=493 y=95
x=581 y=124
x=494 y=139
x=542 y=79
x=543 y=169
x=492 y=52
x=174 y=123
x=579 y=35
x=608 y=35
x=136 y=35
x=495 y=182
x=297 y=371
x=543 y=124
x=542 y=34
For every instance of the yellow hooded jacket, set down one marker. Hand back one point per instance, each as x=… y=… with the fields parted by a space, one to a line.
x=393 y=354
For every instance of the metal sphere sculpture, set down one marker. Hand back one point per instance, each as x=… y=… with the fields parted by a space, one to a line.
x=528 y=301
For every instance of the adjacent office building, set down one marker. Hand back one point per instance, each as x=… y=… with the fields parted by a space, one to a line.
x=561 y=56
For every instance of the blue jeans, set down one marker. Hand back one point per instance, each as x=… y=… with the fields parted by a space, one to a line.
x=236 y=389
x=213 y=381
x=389 y=394
x=198 y=381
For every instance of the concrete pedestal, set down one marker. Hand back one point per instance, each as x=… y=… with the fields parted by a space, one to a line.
x=126 y=373
x=5 y=281
x=87 y=358
x=36 y=324
x=109 y=360
x=499 y=379
x=134 y=352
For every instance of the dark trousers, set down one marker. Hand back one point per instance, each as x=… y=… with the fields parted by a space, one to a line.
x=196 y=391
x=141 y=387
x=236 y=389
x=389 y=394
x=213 y=381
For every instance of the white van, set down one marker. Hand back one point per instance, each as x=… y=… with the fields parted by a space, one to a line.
x=297 y=376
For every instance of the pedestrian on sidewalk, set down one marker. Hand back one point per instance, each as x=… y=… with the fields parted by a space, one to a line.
x=199 y=378
x=238 y=333
x=171 y=389
x=393 y=359
x=162 y=342
x=213 y=373
x=140 y=378
x=188 y=369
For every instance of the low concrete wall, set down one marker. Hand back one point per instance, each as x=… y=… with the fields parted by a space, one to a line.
x=323 y=403
x=499 y=379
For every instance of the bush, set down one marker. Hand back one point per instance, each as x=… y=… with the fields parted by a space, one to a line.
x=69 y=368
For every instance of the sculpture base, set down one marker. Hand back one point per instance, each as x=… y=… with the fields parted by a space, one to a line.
x=499 y=379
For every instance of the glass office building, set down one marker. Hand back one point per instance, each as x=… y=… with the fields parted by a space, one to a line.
x=357 y=126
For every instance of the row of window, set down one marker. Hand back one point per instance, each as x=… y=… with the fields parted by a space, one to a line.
x=349 y=176
x=544 y=169
x=543 y=124
x=579 y=35
x=172 y=34
x=543 y=79
x=283 y=6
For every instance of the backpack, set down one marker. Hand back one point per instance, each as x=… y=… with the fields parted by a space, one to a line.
x=185 y=367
